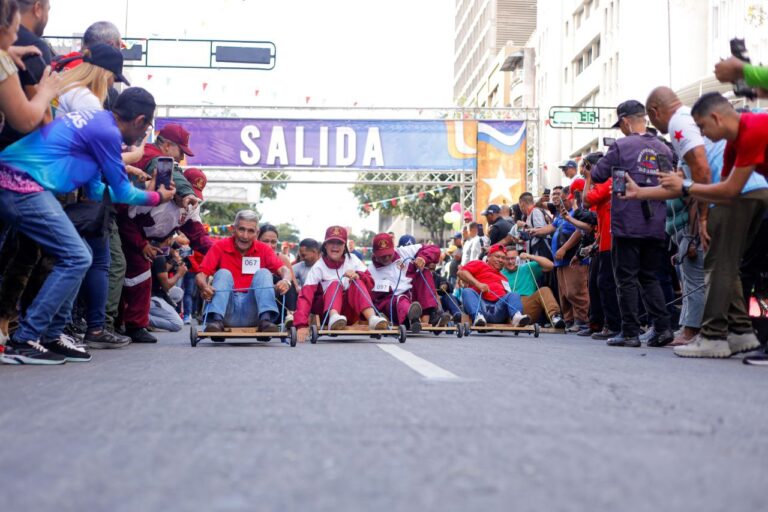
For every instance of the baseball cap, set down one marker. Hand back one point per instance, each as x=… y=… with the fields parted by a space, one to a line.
x=197 y=179
x=569 y=164
x=456 y=235
x=178 y=135
x=547 y=192
x=628 y=108
x=496 y=248
x=577 y=185
x=406 y=240
x=107 y=57
x=492 y=208
x=383 y=245
x=337 y=233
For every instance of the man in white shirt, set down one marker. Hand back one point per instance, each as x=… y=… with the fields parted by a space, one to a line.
x=473 y=247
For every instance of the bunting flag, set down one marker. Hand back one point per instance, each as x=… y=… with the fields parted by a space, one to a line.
x=394 y=201
x=256 y=92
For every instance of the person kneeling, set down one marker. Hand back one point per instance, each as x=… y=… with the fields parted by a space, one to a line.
x=338 y=285
x=242 y=292
x=488 y=297
x=397 y=289
x=523 y=272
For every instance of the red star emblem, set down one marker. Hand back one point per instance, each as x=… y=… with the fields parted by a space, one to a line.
x=678 y=135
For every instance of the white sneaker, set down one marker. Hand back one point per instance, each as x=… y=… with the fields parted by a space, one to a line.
x=377 y=323
x=703 y=347
x=479 y=321
x=337 y=322
x=520 y=320
x=739 y=343
x=288 y=321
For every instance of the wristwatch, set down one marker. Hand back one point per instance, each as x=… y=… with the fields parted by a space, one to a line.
x=687 y=184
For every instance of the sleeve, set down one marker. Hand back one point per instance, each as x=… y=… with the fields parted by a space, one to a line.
x=212 y=261
x=183 y=187
x=602 y=171
x=7 y=66
x=752 y=142
x=536 y=268
x=367 y=279
x=198 y=238
x=684 y=134
x=473 y=266
x=105 y=148
x=537 y=218
x=357 y=265
x=409 y=251
x=600 y=193
x=430 y=253
x=756 y=76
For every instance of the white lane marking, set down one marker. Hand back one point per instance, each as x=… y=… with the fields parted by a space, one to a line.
x=421 y=366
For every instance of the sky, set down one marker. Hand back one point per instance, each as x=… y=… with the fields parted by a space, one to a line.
x=394 y=53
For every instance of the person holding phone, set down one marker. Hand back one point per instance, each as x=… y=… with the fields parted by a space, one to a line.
x=638 y=227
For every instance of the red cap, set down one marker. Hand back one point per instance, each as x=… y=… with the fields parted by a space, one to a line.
x=197 y=179
x=576 y=186
x=337 y=233
x=383 y=245
x=496 y=248
x=178 y=135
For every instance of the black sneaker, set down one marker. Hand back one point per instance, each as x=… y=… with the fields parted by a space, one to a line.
x=621 y=341
x=441 y=318
x=661 y=339
x=66 y=347
x=585 y=332
x=414 y=314
x=105 y=339
x=121 y=337
x=140 y=335
x=214 y=326
x=605 y=334
x=457 y=318
x=558 y=322
x=72 y=332
x=30 y=352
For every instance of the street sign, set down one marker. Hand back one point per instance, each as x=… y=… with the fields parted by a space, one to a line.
x=576 y=117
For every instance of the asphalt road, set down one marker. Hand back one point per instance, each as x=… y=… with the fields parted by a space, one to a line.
x=549 y=424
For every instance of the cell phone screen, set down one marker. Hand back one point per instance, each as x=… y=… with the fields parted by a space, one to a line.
x=619 y=182
x=164 y=170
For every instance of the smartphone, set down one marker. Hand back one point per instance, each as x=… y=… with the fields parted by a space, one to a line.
x=665 y=164
x=609 y=141
x=163 y=171
x=35 y=67
x=619 y=181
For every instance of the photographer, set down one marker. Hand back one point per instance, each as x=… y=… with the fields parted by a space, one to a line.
x=637 y=226
x=168 y=271
x=586 y=221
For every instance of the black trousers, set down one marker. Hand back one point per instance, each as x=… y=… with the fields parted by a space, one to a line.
x=596 y=313
x=609 y=299
x=636 y=262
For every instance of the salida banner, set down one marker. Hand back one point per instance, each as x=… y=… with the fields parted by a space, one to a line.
x=316 y=144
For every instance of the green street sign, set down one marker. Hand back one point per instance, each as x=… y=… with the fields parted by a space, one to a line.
x=576 y=117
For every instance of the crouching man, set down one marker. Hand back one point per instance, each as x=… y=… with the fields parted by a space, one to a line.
x=398 y=290
x=488 y=296
x=523 y=272
x=242 y=293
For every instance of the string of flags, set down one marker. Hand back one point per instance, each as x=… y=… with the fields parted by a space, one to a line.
x=219 y=230
x=394 y=201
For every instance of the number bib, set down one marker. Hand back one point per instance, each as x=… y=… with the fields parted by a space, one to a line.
x=382 y=286
x=506 y=286
x=251 y=265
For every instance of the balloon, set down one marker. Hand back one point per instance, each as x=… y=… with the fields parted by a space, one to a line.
x=447 y=217
x=455 y=216
x=456 y=207
x=457 y=226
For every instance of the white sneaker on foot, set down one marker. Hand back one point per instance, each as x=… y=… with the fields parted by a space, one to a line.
x=739 y=343
x=704 y=347
x=479 y=321
x=520 y=320
x=337 y=322
x=377 y=323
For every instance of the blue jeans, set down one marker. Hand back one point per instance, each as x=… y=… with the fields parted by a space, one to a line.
x=242 y=309
x=190 y=293
x=498 y=312
x=691 y=277
x=96 y=283
x=40 y=216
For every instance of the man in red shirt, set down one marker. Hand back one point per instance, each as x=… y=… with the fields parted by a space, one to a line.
x=726 y=328
x=488 y=298
x=242 y=293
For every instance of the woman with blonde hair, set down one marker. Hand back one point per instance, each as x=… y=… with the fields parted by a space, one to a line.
x=85 y=86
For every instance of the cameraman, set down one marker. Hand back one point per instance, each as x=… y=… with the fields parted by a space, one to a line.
x=637 y=227
x=168 y=270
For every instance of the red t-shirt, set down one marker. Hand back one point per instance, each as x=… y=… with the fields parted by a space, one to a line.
x=751 y=146
x=225 y=255
x=599 y=196
x=486 y=274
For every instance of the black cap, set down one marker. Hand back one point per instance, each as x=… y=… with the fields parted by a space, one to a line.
x=569 y=164
x=109 y=58
x=492 y=208
x=628 y=108
x=546 y=192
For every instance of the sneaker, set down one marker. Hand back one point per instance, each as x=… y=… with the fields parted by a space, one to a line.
x=660 y=340
x=479 y=321
x=414 y=317
x=187 y=320
x=72 y=332
x=739 y=343
x=267 y=326
x=214 y=326
x=558 y=322
x=647 y=335
x=337 y=322
x=757 y=360
x=66 y=347
x=457 y=318
x=105 y=339
x=441 y=318
x=140 y=335
x=605 y=334
x=30 y=352
x=586 y=331
x=576 y=327
x=704 y=347
x=121 y=337
x=288 y=321
x=520 y=320
x=622 y=341
x=377 y=323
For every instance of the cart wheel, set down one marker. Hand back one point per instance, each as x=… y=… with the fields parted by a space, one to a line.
x=376 y=336
x=294 y=336
x=313 y=334
x=517 y=333
x=437 y=333
x=467 y=329
x=459 y=331
x=401 y=330
x=193 y=334
x=536 y=330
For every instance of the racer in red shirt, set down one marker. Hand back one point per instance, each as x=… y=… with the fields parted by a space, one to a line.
x=242 y=293
x=497 y=304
